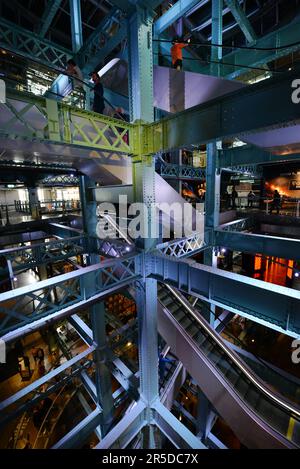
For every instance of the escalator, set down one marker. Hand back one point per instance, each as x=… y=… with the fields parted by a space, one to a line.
x=258 y=415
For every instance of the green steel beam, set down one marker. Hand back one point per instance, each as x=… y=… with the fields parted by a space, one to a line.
x=36 y=118
x=263 y=106
x=241 y=20
x=50 y=11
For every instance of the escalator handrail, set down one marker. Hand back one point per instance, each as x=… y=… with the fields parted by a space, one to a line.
x=252 y=378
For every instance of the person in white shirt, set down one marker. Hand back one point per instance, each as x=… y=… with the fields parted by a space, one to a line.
x=74 y=70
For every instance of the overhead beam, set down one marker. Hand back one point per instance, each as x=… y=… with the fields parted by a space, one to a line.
x=50 y=11
x=76 y=25
x=251 y=155
x=173 y=14
x=76 y=292
x=256 y=243
x=241 y=19
x=263 y=106
x=288 y=34
x=21 y=41
x=268 y=304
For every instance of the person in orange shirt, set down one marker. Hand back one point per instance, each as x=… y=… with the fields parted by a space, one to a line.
x=176 y=53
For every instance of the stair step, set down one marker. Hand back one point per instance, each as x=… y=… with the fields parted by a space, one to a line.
x=192 y=329
x=179 y=315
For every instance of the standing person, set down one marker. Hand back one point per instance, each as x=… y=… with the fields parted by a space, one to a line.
x=226 y=199
x=251 y=197
x=34 y=352
x=276 y=202
x=98 y=104
x=234 y=196
x=78 y=84
x=176 y=53
x=74 y=70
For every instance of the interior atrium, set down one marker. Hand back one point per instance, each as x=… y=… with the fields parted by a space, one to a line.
x=149 y=224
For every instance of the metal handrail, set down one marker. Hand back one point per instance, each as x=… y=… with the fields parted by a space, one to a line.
x=252 y=378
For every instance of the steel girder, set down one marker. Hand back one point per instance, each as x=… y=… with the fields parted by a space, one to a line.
x=183 y=247
x=76 y=25
x=50 y=11
x=251 y=155
x=23 y=42
x=268 y=105
x=288 y=34
x=31 y=117
x=91 y=52
x=62 y=180
x=168 y=170
x=80 y=432
x=256 y=243
x=28 y=257
x=268 y=304
x=174 y=13
x=241 y=19
x=216 y=35
x=25 y=305
x=135 y=420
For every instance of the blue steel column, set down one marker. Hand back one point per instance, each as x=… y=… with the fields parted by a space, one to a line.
x=103 y=376
x=140 y=65
x=212 y=207
x=141 y=108
x=216 y=36
x=76 y=25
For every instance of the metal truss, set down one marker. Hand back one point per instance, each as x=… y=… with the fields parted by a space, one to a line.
x=243 y=224
x=168 y=170
x=250 y=170
x=55 y=166
x=28 y=257
x=63 y=180
x=25 y=305
x=20 y=40
x=33 y=117
x=183 y=247
x=249 y=155
x=135 y=420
